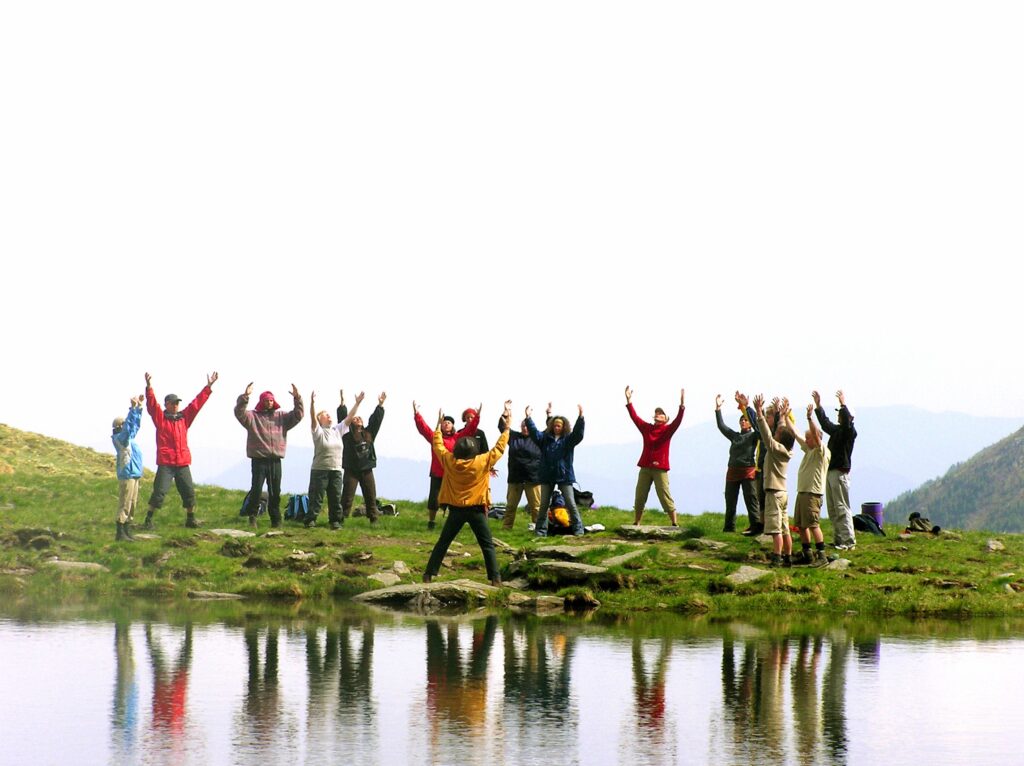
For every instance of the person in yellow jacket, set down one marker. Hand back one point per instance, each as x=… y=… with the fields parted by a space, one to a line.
x=464 y=492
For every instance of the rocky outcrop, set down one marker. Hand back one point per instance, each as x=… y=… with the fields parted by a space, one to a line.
x=572 y=571
x=747 y=574
x=649 y=532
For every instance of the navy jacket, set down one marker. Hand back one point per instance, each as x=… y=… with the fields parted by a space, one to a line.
x=841 y=436
x=523 y=457
x=556 y=453
x=741 y=452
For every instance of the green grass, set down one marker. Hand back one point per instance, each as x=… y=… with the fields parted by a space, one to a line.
x=59 y=500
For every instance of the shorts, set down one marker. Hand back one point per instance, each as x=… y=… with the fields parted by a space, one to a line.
x=807 y=512
x=775 y=519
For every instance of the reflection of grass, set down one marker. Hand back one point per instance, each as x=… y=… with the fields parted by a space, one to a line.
x=59 y=500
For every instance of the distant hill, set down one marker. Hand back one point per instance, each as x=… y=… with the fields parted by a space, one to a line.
x=984 y=492
x=898 y=448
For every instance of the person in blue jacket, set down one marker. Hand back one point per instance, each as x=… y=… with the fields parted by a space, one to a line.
x=557 y=445
x=129 y=466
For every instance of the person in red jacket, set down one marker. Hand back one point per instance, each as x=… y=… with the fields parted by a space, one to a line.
x=450 y=436
x=172 y=454
x=654 y=458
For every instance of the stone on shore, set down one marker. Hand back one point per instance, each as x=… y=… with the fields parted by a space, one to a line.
x=209 y=595
x=231 y=533
x=994 y=545
x=617 y=561
x=520 y=602
x=650 y=532
x=746 y=574
x=387 y=579
x=838 y=565
x=562 y=552
x=571 y=570
x=81 y=566
x=427 y=598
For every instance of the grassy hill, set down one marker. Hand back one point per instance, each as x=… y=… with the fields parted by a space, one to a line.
x=58 y=502
x=985 y=492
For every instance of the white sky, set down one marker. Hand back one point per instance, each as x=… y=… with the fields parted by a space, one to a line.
x=468 y=201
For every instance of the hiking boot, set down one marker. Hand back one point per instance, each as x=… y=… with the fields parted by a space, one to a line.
x=431 y=524
x=803 y=557
x=252 y=522
x=775 y=560
x=752 y=531
x=787 y=560
x=819 y=559
x=127 y=529
x=310 y=522
x=121 y=535
x=148 y=523
x=191 y=522
x=335 y=526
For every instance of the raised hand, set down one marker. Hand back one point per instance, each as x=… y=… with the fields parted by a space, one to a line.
x=810 y=411
x=580 y=408
x=341 y=393
x=841 y=398
x=741 y=400
x=248 y=390
x=295 y=393
x=359 y=397
x=817 y=398
x=211 y=379
x=718 y=402
x=527 y=411
x=682 y=397
x=415 y=408
x=758 y=403
x=629 y=394
x=440 y=417
x=149 y=380
x=381 y=398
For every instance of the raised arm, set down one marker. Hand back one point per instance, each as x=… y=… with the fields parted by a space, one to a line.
x=298 y=410
x=347 y=419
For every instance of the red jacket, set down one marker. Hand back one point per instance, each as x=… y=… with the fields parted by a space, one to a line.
x=656 y=439
x=172 y=434
x=436 y=469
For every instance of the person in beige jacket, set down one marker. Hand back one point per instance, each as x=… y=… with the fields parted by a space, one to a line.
x=778 y=450
x=464 y=491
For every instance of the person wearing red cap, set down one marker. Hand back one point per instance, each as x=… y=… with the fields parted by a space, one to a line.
x=173 y=457
x=265 y=445
x=449 y=436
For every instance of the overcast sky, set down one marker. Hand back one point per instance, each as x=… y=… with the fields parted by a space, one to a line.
x=467 y=201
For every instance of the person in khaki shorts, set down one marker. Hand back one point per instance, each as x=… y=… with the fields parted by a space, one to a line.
x=778 y=450
x=129 y=467
x=810 y=486
x=653 y=462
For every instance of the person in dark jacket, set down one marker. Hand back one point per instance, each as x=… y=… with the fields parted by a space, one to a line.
x=359 y=458
x=523 y=473
x=557 y=446
x=841 y=436
x=742 y=468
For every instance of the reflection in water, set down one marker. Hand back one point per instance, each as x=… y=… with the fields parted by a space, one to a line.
x=562 y=691
x=538 y=717
x=170 y=686
x=654 y=738
x=340 y=712
x=124 y=717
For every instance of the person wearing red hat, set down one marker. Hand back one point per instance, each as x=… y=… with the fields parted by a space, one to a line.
x=173 y=457
x=265 y=445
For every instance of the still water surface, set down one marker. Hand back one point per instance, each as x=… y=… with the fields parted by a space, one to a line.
x=240 y=685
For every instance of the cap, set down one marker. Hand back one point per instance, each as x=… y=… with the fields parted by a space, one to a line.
x=118 y=422
x=450 y=419
x=172 y=398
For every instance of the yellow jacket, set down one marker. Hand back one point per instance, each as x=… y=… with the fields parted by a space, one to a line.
x=467 y=482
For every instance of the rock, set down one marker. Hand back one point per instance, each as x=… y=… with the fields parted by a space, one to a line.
x=994 y=545
x=84 y=566
x=428 y=597
x=700 y=568
x=562 y=552
x=386 y=579
x=704 y=544
x=296 y=555
x=572 y=570
x=520 y=602
x=209 y=595
x=649 y=532
x=746 y=574
x=617 y=561
x=838 y=565
x=400 y=568
x=518 y=583
x=271 y=533
x=1009 y=588
x=905 y=536
x=503 y=545
x=145 y=536
x=18 y=571
x=231 y=533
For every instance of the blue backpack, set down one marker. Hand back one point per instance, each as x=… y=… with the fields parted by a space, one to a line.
x=297 y=508
x=260 y=510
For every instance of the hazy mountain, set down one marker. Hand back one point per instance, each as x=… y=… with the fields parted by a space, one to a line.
x=898 y=448
x=984 y=492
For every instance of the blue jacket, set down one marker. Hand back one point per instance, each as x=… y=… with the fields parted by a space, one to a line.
x=556 y=454
x=129 y=456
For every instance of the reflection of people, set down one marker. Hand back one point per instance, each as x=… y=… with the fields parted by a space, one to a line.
x=125 y=714
x=265 y=444
x=653 y=463
x=806 y=707
x=262 y=696
x=129 y=467
x=450 y=436
x=741 y=473
x=173 y=457
x=464 y=492
x=841 y=437
x=457 y=695
x=325 y=473
x=557 y=449
x=170 y=685
x=833 y=699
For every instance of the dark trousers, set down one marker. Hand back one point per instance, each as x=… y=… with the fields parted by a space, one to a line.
x=435 y=492
x=265 y=470
x=321 y=481
x=476 y=517
x=759 y=488
x=182 y=478
x=732 y=492
x=365 y=481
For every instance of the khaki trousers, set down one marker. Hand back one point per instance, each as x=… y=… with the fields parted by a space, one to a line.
x=127 y=499
x=659 y=478
x=515 y=494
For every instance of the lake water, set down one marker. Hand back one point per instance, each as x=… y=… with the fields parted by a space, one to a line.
x=237 y=684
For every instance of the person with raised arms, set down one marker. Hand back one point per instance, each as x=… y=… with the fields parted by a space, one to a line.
x=741 y=473
x=173 y=457
x=450 y=436
x=325 y=474
x=778 y=450
x=358 y=459
x=129 y=467
x=653 y=462
x=464 y=492
x=557 y=444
